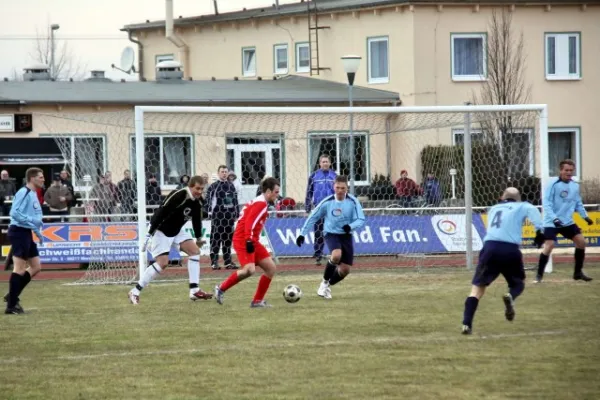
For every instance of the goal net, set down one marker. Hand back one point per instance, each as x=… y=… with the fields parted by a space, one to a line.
x=424 y=196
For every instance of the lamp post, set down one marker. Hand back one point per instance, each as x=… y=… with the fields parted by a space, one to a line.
x=53 y=27
x=351 y=64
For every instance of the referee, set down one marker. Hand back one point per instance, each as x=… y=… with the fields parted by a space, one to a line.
x=25 y=218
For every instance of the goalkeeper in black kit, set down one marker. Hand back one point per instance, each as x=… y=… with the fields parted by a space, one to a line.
x=178 y=221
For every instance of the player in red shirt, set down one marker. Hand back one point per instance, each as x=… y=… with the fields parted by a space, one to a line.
x=248 y=248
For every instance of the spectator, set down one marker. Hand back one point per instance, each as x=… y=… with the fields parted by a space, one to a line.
x=65 y=180
x=432 y=190
x=104 y=194
x=223 y=209
x=58 y=197
x=236 y=183
x=153 y=192
x=183 y=182
x=7 y=191
x=320 y=186
x=407 y=189
x=127 y=194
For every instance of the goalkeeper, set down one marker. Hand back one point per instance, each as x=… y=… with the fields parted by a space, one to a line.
x=343 y=214
x=168 y=227
x=561 y=199
x=501 y=254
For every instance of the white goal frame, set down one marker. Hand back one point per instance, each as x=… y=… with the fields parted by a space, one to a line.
x=541 y=109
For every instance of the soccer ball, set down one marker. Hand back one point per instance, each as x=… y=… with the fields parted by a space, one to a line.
x=292 y=293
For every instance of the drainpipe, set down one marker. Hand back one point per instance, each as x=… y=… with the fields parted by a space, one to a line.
x=216 y=8
x=140 y=54
x=184 y=49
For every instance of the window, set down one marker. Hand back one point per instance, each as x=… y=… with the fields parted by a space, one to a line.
x=378 y=65
x=280 y=57
x=302 y=57
x=458 y=136
x=87 y=155
x=468 y=57
x=249 y=61
x=164 y=57
x=563 y=56
x=337 y=146
x=564 y=143
x=167 y=157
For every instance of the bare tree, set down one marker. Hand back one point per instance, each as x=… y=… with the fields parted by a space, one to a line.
x=66 y=65
x=506 y=84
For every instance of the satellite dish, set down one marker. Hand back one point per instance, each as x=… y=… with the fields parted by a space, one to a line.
x=127 y=60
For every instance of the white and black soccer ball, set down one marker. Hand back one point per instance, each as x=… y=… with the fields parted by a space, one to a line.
x=292 y=293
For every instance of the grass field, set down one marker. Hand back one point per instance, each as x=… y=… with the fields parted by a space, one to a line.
x=386 y=334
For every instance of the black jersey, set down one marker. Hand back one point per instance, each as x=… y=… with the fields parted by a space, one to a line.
x=177 y=208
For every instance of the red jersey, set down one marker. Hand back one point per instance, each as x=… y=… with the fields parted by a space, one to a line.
x=252 y=220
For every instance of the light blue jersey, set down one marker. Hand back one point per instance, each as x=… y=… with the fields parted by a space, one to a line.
x=561 y=200
x=26 y=210
x=505 y=221
x=336 y=214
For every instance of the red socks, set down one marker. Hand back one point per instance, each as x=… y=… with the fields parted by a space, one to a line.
x=263 y=285
x=231 y=280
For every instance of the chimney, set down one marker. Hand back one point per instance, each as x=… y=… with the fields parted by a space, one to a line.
x=36 y=72
x=168 y=71
x=97 y=76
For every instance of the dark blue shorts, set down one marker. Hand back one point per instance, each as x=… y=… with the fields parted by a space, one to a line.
x=21 y=242
x=568 y=232
x=499 y=258
x=342 y=242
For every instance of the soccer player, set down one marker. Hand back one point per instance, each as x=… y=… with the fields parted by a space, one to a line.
x=168 y=227
x=249 y=250
x=343 y=214
x=561 y=199
x=25 y=219
x=501 y=254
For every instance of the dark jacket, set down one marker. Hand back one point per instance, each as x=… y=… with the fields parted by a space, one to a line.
x=153 y=194
x=320 y=185
x=7 y=187
x=127 y=192
x=221 y=197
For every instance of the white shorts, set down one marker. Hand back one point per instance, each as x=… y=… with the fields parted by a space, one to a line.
x=161 y=244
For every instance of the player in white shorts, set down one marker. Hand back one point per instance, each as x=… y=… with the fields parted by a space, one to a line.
x=169 y=225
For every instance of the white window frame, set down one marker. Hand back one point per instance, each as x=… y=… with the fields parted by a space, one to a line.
x=526 y=131
x=371 y=40
x=577 y=131
x=337 y=136
x=561 y=56
x=248 y=72
x=468 y=78
x=77 y=186
x=161 y=181
x=281 y=71
x=300 y=69
x=163 y=57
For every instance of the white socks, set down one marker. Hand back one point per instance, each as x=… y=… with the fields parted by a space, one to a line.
x=193 y=265
x=149 y=274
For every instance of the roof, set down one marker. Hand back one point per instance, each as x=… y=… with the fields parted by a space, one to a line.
x=289 y=90
x=300 y=8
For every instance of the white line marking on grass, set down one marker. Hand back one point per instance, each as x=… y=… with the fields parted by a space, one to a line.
x=282 y=345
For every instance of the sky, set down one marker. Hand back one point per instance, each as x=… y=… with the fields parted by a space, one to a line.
x=89 y=28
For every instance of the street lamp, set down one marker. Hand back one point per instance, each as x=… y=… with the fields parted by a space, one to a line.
x=53 y=27
x=351 y=64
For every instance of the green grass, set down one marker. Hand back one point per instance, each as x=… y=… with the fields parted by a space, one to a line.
x=385 y=335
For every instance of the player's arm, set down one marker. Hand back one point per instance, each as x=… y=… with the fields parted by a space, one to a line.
x=318 y=213
x=309 y=192
x=254 y=213
x=208 y=199
x=548 y=206
x=236 y=203
x=359 y=216
x=197 y=220
x=167 y=208
x=581 y=209
x=534 y=216
x=18 y=212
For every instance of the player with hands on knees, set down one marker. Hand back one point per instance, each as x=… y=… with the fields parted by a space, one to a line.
x=342 y=214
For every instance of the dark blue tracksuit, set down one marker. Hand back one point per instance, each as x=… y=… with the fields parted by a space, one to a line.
x=320 y=186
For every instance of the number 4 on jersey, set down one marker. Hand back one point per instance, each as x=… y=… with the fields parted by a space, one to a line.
x=497 y=220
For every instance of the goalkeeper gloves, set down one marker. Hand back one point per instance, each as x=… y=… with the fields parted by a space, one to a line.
x=589 y=221
x=300 y=241
x=539 y=239
x=249 y=246
x=347 y=228
x=557 y=223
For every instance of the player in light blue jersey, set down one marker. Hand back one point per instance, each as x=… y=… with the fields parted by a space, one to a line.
x=25 y=219
x=343 y=214
x=561 y=200
x=501 y=254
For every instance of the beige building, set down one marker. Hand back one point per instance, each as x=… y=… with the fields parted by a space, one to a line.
x=431 y=52
x=88 y=128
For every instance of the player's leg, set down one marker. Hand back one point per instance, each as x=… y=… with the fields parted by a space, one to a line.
x=471 y=304
x=266 y=263
x=579 y=241
x=215 y=244
x=514 y=273
x=191 y=249
x=345 y=261
x=247 y=270
x=319 y=241
x=227 y=242
x=550 y=234
x=159 y=248
x=23 y=247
